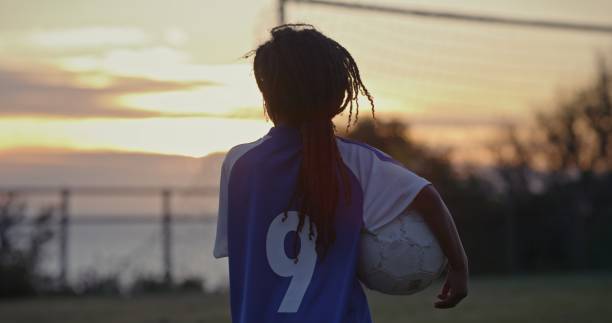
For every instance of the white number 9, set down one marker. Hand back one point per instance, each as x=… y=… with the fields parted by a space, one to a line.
x=300 y=272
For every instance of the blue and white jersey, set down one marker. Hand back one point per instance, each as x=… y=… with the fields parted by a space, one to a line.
x=266 y=284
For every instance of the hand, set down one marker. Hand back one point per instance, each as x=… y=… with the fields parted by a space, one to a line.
x=454 y=289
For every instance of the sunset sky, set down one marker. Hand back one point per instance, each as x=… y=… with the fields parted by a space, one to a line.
x=168 y=77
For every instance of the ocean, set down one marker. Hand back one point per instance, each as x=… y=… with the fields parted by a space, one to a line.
x=134 y=250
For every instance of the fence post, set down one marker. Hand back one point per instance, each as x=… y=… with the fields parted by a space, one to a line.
x=167 y=236
x=63 y=237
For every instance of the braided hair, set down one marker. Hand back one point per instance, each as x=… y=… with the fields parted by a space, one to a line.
x=307 y=78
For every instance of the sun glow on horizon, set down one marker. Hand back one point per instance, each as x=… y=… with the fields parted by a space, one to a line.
x=215 y=100
x=193 y=137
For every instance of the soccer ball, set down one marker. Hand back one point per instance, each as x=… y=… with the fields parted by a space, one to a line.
x=401 y=258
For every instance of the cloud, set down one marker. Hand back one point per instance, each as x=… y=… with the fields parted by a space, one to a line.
x=89 y=37
x=156 y=62
x=48 y=92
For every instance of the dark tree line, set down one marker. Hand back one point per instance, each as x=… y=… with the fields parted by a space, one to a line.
x=22 y=248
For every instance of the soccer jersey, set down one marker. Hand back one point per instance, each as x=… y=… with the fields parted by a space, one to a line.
x=266 y=284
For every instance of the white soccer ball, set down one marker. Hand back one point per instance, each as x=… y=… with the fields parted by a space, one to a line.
x=401 y=258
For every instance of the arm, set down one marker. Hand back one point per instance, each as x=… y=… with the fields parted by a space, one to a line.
x=437 y=216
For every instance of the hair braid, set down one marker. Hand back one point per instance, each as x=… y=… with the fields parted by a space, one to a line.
x=307 y=78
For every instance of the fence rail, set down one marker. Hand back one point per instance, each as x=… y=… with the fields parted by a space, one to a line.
x=166 y=216
x=109 y=190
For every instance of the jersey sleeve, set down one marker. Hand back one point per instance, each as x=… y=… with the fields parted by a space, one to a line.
x=220 y=249
x=388 y=189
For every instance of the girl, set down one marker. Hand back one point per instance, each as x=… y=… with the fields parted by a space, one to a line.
x=293 y=203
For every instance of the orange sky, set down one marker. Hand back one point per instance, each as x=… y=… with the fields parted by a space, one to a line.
x=161 y=78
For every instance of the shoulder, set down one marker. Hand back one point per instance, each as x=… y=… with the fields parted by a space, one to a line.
x=237 y=152
x=354 y=150
x=372 y=165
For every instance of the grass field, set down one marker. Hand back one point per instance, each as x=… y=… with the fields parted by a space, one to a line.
x=554 y=298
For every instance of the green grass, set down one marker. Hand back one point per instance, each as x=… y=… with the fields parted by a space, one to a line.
x=558 y=298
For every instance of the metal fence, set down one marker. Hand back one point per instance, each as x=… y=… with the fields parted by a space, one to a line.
x=166 y=217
